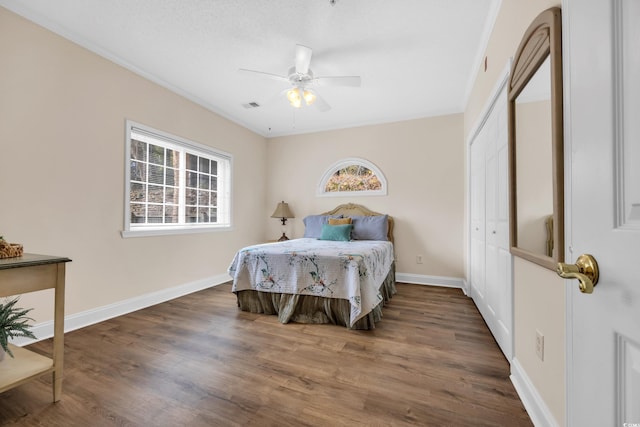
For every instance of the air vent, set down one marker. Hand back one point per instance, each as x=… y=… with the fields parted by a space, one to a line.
x=251 y=105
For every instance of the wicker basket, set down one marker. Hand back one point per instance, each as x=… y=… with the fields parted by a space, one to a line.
x=10 y=250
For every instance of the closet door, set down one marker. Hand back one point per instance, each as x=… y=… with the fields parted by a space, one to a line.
x=491 y=262
x=498 y=301
x=477 y=214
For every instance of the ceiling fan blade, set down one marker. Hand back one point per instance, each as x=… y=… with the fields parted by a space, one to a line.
x=303 y=59
x=350 y=81
x=321 y=104
x=268 y=75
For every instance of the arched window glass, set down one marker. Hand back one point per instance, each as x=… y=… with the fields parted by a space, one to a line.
x=351 y=177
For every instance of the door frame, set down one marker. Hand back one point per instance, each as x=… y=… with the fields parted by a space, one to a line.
x=568 y=194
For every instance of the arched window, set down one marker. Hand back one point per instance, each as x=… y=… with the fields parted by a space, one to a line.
x=352 y=177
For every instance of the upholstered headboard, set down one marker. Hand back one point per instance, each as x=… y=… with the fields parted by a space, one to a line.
x=353 y=209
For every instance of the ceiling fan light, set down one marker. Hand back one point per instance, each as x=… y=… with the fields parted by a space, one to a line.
x=309 y=97
x=293 y=95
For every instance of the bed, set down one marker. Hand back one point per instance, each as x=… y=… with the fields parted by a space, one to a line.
x=337 y=273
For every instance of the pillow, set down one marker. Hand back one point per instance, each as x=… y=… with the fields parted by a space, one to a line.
x=370 y=227
x=313 y=224
x=339 y=221
x=341 y=232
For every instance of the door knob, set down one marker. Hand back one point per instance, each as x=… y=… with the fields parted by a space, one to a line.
x=585 y=270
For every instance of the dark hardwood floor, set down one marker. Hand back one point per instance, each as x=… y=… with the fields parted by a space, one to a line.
x=198 y=361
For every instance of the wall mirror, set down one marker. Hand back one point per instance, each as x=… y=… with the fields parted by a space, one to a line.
x=535 y=144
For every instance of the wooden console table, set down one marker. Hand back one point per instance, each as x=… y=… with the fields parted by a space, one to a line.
x=29 y=273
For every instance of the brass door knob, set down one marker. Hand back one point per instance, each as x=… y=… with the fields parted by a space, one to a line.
x=585 y=270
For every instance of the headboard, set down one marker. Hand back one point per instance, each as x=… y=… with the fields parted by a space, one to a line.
x=351 y=209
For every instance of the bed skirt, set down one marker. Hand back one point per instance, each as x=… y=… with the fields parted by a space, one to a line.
x=314 y=309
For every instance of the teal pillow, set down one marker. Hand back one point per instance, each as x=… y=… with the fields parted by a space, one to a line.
x=341 y=233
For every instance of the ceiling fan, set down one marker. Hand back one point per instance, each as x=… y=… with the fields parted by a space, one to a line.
x=303 y=81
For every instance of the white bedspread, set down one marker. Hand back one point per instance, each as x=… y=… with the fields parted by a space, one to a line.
x=347 y=270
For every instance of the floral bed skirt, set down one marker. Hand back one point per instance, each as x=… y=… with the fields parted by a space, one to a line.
x=315 y=309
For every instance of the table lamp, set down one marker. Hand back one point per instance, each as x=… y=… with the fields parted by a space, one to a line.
x=283 y=212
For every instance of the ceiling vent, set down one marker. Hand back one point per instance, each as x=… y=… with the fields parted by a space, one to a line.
x=251 y=105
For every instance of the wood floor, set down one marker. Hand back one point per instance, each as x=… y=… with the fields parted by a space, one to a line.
x=198 y=361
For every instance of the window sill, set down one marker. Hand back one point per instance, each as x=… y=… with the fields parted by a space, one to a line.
x=351 y=193
x=172 y=231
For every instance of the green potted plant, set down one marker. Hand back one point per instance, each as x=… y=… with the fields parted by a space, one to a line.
x=13 y=324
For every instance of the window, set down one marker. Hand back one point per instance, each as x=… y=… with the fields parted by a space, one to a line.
x=351 y=177
x=174 y=185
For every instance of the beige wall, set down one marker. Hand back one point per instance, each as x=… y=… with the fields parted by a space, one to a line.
x=423 y=161
x=62 y=130
x=539 y=298
x=545 y=310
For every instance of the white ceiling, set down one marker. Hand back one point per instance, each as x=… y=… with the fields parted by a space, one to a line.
x=417 y=58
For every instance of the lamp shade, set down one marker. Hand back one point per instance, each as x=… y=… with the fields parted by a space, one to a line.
x=294 y=97
x=282 y=211
x=309 y=97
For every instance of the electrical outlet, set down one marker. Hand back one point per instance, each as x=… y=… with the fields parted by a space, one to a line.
x=540 y=345
x=418 y=259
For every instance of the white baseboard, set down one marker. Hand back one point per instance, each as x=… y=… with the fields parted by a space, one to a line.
x=72 y=322
x=420 y=279
x=534 y=404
